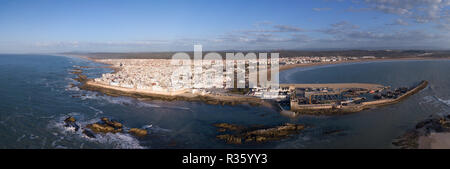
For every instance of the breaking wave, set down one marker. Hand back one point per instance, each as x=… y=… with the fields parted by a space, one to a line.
x=116 y=140
x=97 y=111
x=125 y=101
x=446 y=102
x=155 y=129
x=143 y=104
x=72 y=88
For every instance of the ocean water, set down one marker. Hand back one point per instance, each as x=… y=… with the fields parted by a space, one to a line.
x=36 y=96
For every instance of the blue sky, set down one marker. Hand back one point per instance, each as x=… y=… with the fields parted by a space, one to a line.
x=46 y=26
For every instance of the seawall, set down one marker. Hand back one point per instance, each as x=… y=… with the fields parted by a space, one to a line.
x=329 y=109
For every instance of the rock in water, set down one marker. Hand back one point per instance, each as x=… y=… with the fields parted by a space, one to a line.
x=88 y=133
x=258 y=134
x=102 y=128
x=222 y=127
x=230 y=139
x=138 y=132
x=112 y=123
x=105 y=126
x=71 y=122
x=70 y=119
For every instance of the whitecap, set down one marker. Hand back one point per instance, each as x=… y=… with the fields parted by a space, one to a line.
x=72 y=88
x=117 y=140
x=143 y=104
x=155 y=129
x=97 y=111
x=446 y=102
x=20 y=138
x=89 y=96
x=178 y=107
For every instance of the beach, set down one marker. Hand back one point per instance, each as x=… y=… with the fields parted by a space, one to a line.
x=291 y=66
x=187 y=95
x=435 y=141
x=188 y=124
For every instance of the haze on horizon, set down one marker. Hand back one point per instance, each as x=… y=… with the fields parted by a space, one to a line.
x=48 y=26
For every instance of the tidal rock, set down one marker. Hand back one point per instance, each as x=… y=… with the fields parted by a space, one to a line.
x=76 y=71
x=106 y=126
x=81 y=78
x=230 y=139
x=112 y=123
x=88 y=133
x=138 y=132
x=276 y=133
x=71 y=122
x=257 y=134
x=100 y=128
x=410 y=139
x=222 y=127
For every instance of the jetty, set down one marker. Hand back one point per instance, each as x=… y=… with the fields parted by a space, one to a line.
x=355 y=101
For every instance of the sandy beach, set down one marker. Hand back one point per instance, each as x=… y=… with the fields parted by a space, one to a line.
x=435 y=141
x=291 y=66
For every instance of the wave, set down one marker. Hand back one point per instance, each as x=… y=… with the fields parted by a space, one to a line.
x=89 y=95
x=127 y=101
x=122 y=100
x=116 y=140
x=155 y=129
x=97 y=111
x=72 y=88
x=143 y=104
x=434 y=100
x=20 y=138
x=427 y=99
x=178 y=107
x=446 y=102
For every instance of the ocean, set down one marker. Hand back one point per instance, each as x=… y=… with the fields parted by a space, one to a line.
x=37 y=95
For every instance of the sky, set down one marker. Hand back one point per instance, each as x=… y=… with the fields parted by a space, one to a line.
x=52 y=26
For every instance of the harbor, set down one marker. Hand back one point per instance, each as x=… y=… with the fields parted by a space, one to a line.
x=314 y=99
x=345 y=98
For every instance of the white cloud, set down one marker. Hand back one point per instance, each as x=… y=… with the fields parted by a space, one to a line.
x=399 y=22
x=420 y=11
x=321 y=9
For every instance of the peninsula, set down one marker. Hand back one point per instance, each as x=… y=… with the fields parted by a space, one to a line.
x=149 y=79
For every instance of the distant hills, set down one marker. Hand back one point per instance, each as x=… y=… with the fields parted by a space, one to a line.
x=283 y=53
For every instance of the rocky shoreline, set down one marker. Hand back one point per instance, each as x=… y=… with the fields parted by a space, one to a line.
x=103 y=126
x=411 y=139
x=88 y=84
x=236 y=134
x=216 y=100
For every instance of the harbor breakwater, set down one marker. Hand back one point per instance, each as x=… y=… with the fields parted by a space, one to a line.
x=332 y=109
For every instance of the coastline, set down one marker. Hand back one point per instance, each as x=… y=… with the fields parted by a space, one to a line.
x=435 y=141
x=89 y=84
x=287 y=67
x=329 y=109
x=207 y=98
x=291 y=66
x=431 y=133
